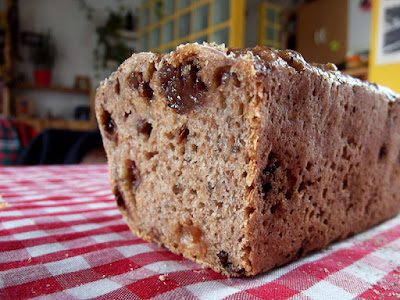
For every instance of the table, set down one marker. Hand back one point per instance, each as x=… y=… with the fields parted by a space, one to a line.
x=62 y=237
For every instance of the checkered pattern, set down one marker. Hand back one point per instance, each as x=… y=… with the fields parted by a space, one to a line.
x=14 y=136
x=61 y=237
x=9 y=143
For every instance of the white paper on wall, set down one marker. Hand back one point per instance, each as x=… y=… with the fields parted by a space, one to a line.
x=388 y=32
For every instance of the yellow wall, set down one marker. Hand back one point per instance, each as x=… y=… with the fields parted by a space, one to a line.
x=388 y=74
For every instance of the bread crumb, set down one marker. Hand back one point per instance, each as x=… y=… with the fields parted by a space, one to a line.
x=162 y=277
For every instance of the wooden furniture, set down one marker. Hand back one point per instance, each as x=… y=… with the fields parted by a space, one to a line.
x=40 y=123
x=322 y=31
x=318 y=30
x=6 y=67
x=358 y=72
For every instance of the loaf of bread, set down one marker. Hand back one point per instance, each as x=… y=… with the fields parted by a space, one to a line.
x=247 y=159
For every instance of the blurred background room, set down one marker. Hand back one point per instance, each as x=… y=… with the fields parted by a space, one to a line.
x=53 y=54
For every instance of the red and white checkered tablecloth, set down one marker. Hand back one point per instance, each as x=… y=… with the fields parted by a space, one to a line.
x=62 y=237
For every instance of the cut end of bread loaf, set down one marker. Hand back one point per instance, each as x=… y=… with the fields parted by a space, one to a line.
x=246 y=159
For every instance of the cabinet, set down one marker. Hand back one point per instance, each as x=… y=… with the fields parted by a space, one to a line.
x=318 y=30
x=323 y=31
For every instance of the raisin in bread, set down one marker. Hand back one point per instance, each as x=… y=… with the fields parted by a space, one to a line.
x=246 y=159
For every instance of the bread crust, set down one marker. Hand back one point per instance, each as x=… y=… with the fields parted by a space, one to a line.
x=246 y=159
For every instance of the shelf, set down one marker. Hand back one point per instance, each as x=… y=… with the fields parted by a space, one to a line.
x=358 y=72
x=55 y=88
x=41 y=124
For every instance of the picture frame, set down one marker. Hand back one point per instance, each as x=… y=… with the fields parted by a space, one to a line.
x=388 y=35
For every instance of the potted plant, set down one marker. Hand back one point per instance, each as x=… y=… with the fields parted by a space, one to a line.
x=111 y=46
x=43 y=56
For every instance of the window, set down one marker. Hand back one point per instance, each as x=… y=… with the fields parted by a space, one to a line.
x=164 y=24
x=270 y=25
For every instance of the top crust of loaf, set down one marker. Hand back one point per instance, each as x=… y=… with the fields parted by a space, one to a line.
x=263 y=58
